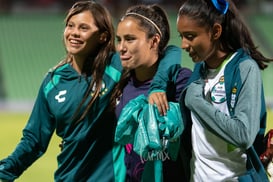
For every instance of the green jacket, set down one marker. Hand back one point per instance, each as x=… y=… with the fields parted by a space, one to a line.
x=89 y=152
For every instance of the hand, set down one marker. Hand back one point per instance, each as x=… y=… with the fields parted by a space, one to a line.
x=267 y=155
x=160 y=99
x=194 y=91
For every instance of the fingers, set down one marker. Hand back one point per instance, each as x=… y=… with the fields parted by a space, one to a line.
x=160 y=100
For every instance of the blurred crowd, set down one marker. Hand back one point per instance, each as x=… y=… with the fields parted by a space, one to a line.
x=116 y=6
x=8 y=6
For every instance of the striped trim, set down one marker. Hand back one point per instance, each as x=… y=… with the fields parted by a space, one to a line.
x=118 y=153
x=50 y=85
x=55 y=80
x=113 y=73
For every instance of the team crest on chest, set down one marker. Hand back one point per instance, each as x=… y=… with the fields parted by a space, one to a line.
x=218 y=91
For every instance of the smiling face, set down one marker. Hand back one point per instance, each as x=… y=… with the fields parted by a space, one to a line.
x=196 y=40
x=81 y=35
x=136 y=50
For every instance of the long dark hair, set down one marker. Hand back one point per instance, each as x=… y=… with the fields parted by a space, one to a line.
x=97 y=66
x=158 y=16
x=235 y=33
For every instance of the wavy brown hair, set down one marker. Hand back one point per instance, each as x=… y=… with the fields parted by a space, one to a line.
x=96 y=63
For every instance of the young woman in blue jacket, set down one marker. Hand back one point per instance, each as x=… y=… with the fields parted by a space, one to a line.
x=223 y=103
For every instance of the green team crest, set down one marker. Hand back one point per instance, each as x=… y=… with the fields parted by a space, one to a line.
x=218 y=91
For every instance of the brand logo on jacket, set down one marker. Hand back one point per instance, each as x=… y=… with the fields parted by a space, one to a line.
x=60 y=97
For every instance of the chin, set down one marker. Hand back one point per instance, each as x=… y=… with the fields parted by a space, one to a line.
x=125 y=66
x=196 y=60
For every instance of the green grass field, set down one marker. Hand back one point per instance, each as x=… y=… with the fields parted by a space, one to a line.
x=11 y=131
x=43 y=169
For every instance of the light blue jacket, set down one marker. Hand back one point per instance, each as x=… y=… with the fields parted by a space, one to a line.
x=245 y=99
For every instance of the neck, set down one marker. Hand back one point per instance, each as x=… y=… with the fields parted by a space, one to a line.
x=82 y=66
x=77 y=64
x=215 y=61
x=147 y=70
x=144 y=74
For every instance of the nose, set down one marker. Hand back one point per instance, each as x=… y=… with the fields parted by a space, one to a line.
x=75 y=32
x=185 y=45
x=121 y=47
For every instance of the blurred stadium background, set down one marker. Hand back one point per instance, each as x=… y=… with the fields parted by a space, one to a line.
x=31 y=43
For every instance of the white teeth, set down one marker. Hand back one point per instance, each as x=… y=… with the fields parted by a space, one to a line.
x=74 y=41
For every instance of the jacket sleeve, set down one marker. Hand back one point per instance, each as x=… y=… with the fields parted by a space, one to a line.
x=167 y=69
x=241 y=128
x=181 y=81
x=34 y=142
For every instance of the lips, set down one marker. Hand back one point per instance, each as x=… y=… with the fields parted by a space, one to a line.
x=125 y=57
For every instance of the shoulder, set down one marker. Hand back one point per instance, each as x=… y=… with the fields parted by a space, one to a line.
x=244 y=62
x=242 y=69
x=184 y=73
x=242 y=58
x=182 y=79
x=249 y=64
x=54 y=75
x=249 y=69
x=114 y=68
